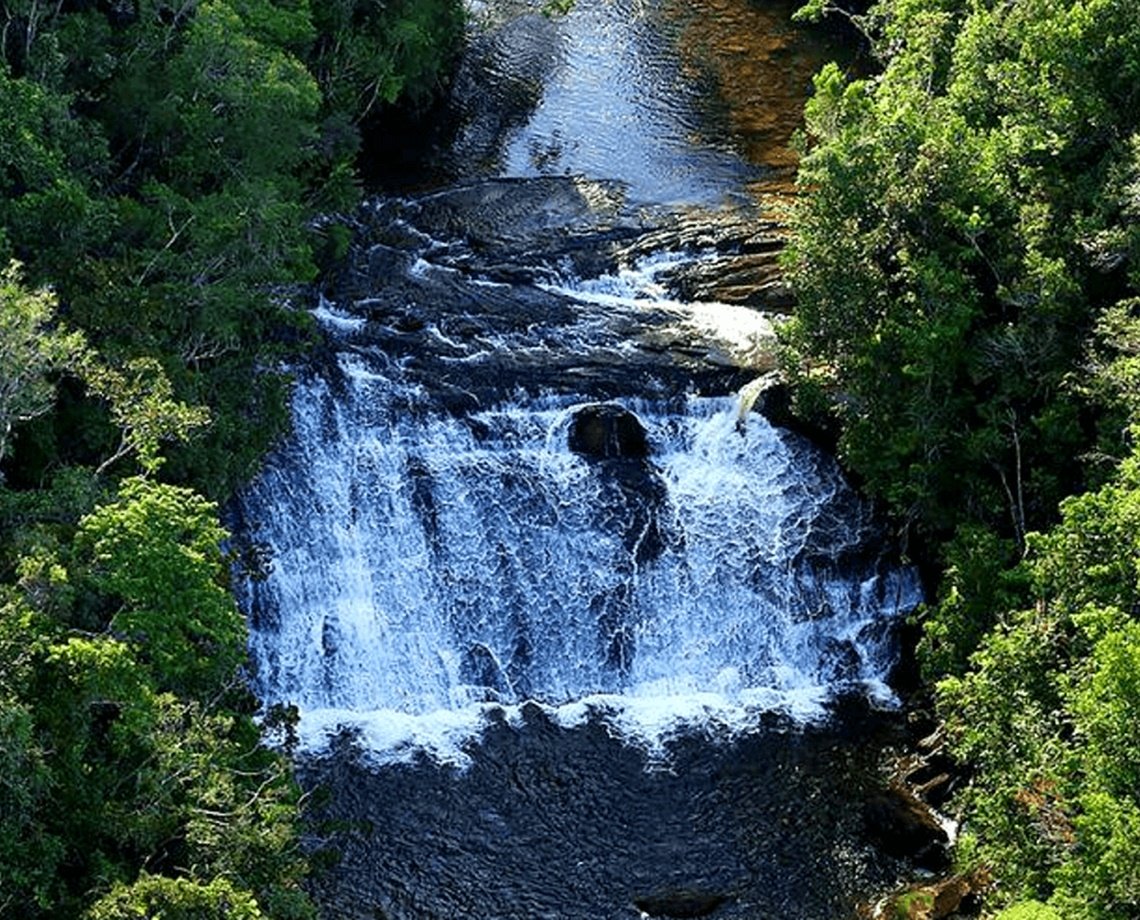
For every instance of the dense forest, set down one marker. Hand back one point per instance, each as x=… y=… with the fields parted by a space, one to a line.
x=966 y=257
x=161 y=166
x=965 y=254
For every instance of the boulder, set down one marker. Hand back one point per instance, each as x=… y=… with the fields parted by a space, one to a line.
x=770 y=396
x=904 y=826
x=935 y=900
x=680 y=904
x=607 y=432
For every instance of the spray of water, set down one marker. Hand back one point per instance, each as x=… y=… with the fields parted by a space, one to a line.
x=426 y=570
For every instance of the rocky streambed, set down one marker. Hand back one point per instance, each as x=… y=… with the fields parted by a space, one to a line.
x=559 y=284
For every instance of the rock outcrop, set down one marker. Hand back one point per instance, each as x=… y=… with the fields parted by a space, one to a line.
x=607 y=431
x=906 y=827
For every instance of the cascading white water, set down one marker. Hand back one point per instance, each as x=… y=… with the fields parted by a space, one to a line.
x=426 y=568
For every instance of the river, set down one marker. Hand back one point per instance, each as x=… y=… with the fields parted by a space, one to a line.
x=571 y=630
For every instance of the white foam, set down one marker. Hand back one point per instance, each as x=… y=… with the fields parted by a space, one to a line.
x=643 y=718
x=746 y=336
x=423 y=563
x=331 y=316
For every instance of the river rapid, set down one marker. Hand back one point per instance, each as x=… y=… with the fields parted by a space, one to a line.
x=572 y=629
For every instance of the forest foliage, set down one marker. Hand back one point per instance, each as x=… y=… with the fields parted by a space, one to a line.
x=966 y=257
x=161 y=163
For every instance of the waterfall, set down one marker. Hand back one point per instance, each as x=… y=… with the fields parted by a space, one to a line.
x=528 y=525
x=439 y=551
x=428 y=569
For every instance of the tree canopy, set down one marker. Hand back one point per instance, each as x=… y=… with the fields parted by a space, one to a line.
x=966 y=256
x=970 y=215
x=161 y=163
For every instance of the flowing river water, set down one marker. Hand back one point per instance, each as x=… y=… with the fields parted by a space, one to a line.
x=572 y=631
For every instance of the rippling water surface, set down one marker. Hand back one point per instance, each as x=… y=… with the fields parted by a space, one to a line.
x=685 y=103
x=618 y=105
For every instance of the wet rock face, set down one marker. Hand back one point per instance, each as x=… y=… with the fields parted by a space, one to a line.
x=772 y=398
x=953 y=896
x=634 y=498
x=746 y=269
x=905 y=826
x=634 y=501
x=608 y=432
x=469 y=291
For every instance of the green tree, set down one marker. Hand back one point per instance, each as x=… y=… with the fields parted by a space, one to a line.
x=53 y=163
x=29 y=857
x=32 y=349
x=368 y=54
x=143 y=408
x=955 y=245
x=122 y=703
x=1048 y=715
x=965 y=253
x=155 y=553
x=175 y=899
